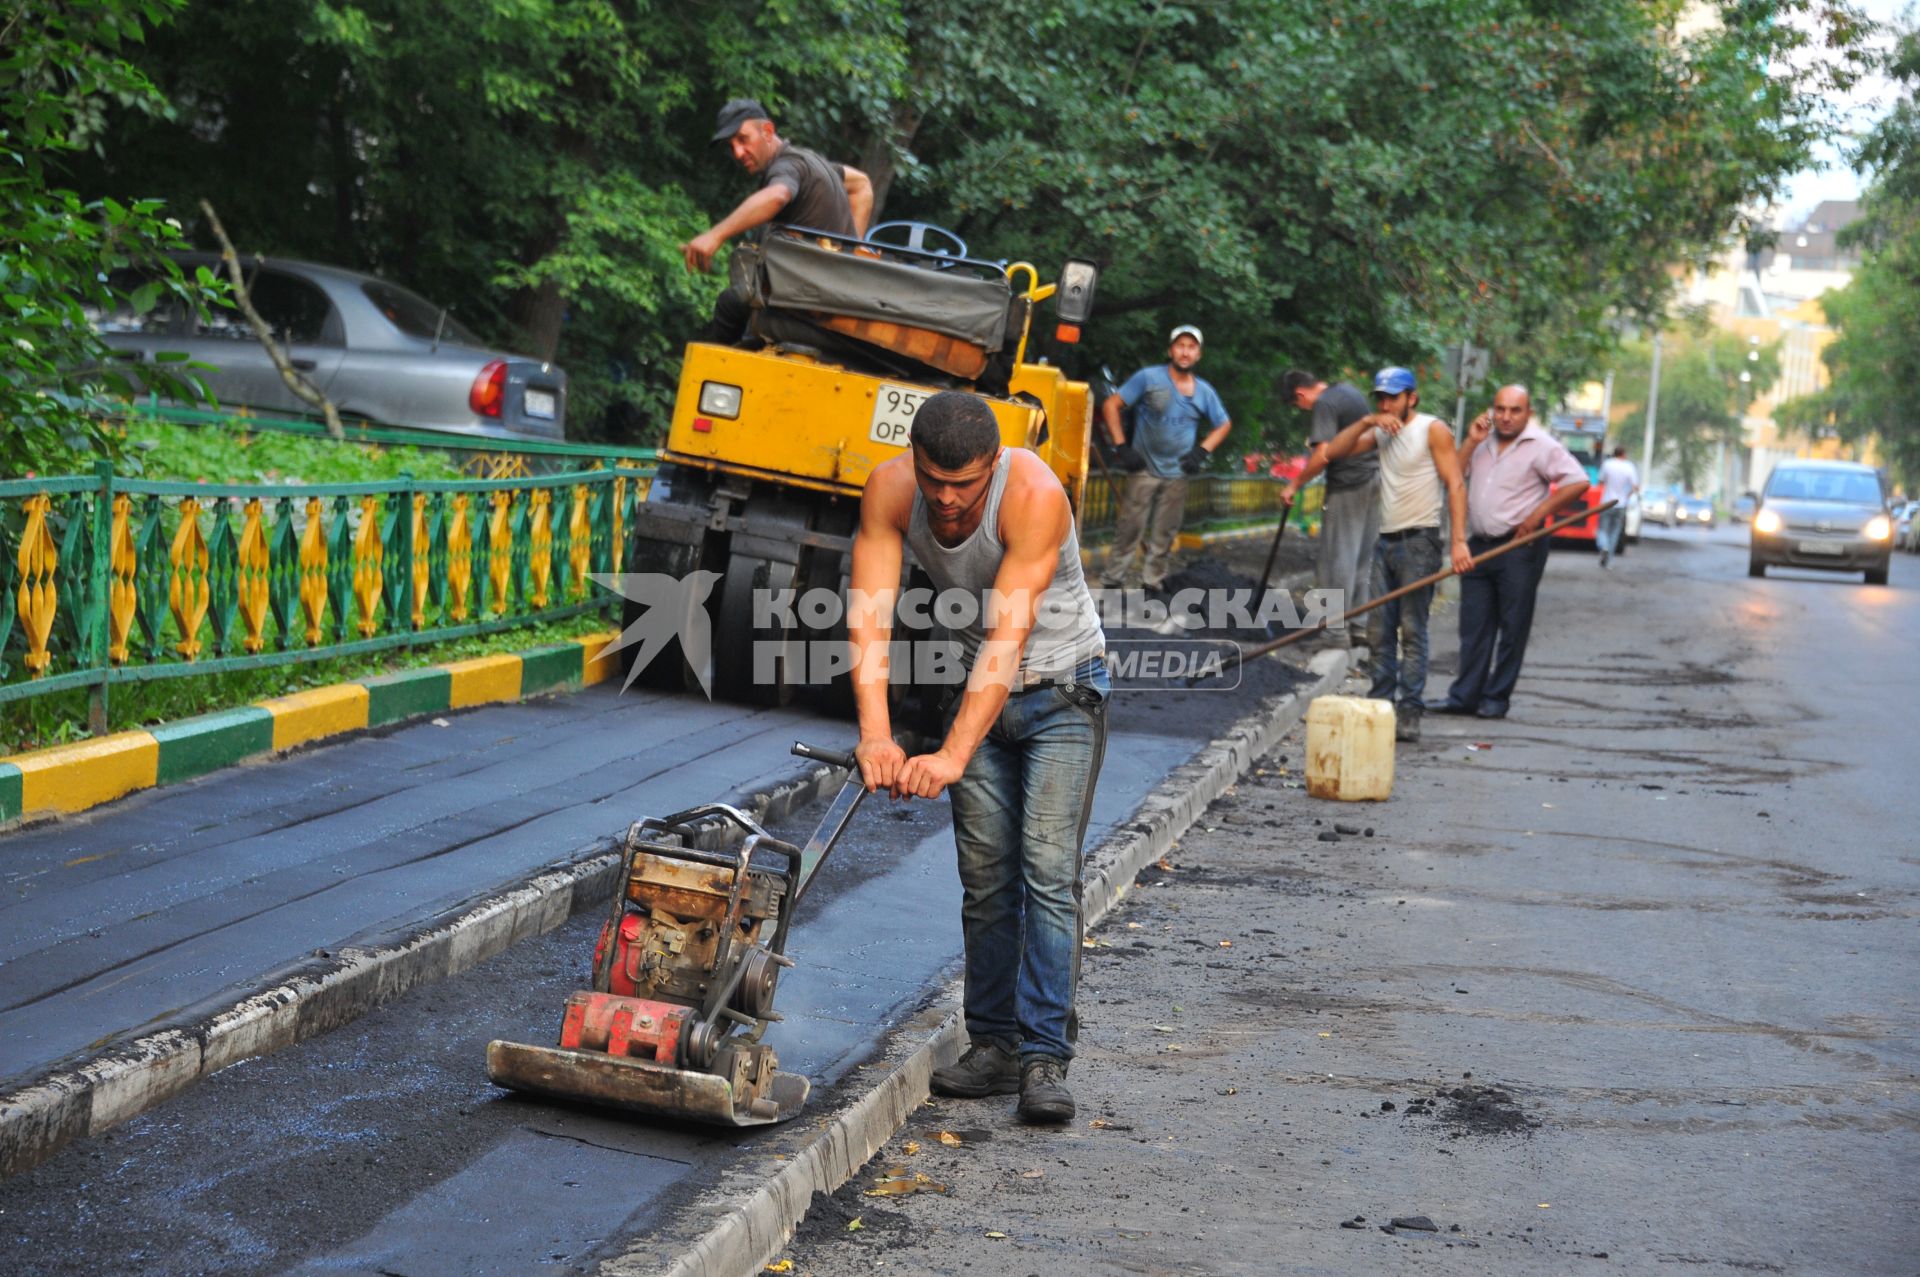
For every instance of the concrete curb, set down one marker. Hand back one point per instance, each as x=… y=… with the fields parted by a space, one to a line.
x=748 y=1222
x=311 y=997
x=64 y=779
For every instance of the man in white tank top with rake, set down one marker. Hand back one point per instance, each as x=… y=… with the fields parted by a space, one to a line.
x=1024 y=740
x=1418 y=467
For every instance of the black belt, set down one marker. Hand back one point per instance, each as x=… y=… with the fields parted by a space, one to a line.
x=1054 y=680
x=1404 y=533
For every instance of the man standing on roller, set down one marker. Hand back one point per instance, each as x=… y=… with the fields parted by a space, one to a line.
x=798 y=187
x=1024 y=739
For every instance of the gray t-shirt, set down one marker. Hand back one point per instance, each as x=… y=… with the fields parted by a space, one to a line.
x=817 y=191
x=1339 y=406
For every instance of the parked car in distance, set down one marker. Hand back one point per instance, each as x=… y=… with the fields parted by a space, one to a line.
x=1903 y=520
x=1695 y=510
x=1743 y=507
x=1656 y=505
x=1831 y=515
x=378 y=351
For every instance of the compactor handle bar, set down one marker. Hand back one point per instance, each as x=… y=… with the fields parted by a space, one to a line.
x=831 y=757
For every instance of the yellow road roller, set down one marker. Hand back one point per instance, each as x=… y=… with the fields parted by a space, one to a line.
x=772 y=440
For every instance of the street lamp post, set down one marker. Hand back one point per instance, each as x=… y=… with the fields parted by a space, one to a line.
x=1653 y=409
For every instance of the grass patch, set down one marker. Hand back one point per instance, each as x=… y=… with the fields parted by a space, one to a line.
x=233 y=453
x=62 y=717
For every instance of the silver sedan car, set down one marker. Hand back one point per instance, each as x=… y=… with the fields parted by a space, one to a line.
x=379 y=351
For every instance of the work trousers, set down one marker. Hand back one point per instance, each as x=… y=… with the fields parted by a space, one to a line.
x=1150 y=510
x=1496 y=615
x=1398 y=629
x=1019 y=817
x=1349 y=525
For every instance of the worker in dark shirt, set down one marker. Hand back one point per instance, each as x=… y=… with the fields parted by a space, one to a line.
x=798 y=187
x=1350 y=514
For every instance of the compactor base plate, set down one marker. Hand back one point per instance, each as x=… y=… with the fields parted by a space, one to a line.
x=638 y=1086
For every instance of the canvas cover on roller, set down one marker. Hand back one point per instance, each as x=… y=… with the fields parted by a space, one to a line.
x=804 y=276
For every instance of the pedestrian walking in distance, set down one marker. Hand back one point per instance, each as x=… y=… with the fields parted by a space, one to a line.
x=1178 y=420
x=1024 y=739
x=1419 y=471
x=1618 y=482
x=1350 y=516
x=1513 y=467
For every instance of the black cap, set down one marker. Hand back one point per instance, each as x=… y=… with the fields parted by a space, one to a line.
x=734 y=114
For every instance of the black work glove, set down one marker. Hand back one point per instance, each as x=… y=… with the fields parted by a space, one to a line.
x=1195 y=461
x=1127 y=459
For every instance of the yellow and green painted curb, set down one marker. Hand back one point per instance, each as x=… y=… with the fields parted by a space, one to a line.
x=63 y=779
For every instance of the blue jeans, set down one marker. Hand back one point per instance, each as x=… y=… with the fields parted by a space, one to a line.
x=1019 y=816
x=1612 y=523
x=1398 y=630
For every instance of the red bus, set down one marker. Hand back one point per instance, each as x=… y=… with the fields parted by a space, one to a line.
x=1584 y=435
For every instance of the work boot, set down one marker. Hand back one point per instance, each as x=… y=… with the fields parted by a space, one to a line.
x=1043 y=1090
x=986 y=1069
x=1406 y=722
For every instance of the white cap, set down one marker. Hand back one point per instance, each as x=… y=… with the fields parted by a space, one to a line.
x=1186 y=330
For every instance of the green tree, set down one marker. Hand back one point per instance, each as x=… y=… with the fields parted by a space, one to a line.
x=65 y=259
x=1874 y=359
x=1344 y=185
x=1708 y=379
x=1359 y=183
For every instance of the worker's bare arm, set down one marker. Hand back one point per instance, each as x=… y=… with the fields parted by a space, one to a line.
x=878 y=550
x=757 y=209
x=1446 y=463
x=859 y=197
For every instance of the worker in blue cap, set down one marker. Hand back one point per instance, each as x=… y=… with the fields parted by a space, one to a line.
x=1419 y=469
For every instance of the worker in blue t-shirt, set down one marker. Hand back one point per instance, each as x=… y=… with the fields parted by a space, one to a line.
x=1170 y=407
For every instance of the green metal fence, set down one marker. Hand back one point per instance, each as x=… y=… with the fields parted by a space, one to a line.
x=1212 y=500
x=108 y=579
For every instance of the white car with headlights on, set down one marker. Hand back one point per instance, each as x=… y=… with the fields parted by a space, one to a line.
x=1831 y=515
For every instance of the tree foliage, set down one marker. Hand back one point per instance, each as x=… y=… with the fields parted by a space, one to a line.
x=1343 y=184
x=1874 y=359
x=1702 y=394
x=63 y=66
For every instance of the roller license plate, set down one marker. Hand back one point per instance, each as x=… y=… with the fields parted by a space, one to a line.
x=893 y=409
x=1821 y=547
x=541 y=403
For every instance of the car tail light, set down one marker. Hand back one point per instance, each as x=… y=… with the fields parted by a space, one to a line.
x=489 y=393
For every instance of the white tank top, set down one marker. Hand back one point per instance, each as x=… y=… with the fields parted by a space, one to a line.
x=1066 y=628
x=1410 y=491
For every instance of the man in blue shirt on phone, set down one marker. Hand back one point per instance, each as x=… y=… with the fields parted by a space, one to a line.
x=1170 y=405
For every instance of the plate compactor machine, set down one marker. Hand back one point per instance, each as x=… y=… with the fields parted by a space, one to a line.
x=684 y=972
